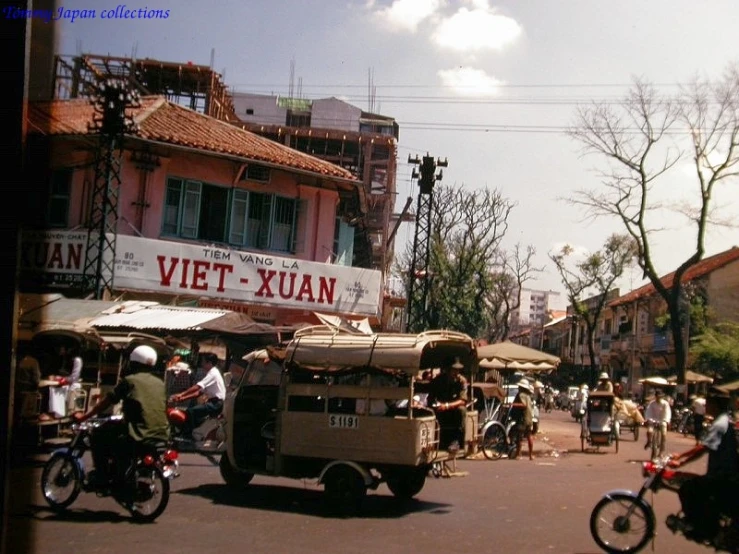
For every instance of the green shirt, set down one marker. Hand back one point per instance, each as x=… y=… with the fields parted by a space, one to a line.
x=144 y=406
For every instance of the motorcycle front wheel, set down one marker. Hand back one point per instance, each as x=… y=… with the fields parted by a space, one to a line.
x=150 y=493
x=61 y=480
x=620 y=523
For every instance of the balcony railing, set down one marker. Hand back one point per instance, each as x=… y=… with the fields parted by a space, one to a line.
x=656 y=342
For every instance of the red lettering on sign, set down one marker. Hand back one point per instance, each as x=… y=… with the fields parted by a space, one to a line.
x=283 y=293
x=222 y=268
x=166 y=277
x=265 y=289
x=306 y=288
x=183 y=281
x=326 y=290
x=198 y=273
x=74 y=254
x=56 y=257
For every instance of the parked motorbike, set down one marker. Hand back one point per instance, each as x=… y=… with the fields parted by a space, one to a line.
x=207 y=439
x=682 y=421
x=142 y=488
x=623 y=521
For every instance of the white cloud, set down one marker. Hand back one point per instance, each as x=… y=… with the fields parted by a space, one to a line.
x=406 y=15
x=480 y=28
x=469 y=81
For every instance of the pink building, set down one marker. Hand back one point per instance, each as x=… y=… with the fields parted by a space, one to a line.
x=209 y=214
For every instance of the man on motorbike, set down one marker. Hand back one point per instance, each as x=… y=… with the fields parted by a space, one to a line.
x=705 y=497
x=212 y=387
x=144 y=415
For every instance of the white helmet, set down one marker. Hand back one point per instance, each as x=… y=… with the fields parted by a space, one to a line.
x=144 y=355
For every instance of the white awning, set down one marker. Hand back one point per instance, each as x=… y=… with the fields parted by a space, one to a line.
x=156 y=317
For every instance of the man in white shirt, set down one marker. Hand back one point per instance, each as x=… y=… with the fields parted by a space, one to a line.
x=211 y=386
x=699 y=415
x=658 y=410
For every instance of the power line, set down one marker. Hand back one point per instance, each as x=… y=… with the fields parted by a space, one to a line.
x=501 y=86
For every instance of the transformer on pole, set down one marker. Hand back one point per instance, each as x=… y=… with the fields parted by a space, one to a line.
x=111 y=98
x=419 y=278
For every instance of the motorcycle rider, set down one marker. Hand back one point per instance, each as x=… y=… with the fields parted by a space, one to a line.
x=211 y=386
x=144 y=420
x=705 y=497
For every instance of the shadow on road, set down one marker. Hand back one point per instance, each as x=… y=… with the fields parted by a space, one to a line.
x=76 y=515
x=308 y=502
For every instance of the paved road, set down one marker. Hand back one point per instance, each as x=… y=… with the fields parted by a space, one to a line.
x=505 y=505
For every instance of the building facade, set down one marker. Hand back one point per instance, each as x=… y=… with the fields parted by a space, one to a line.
x=631 y=340
x=361 y=142
x=208 y=214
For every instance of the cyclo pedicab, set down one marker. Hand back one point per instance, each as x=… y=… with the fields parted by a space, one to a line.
x=340 y=408
x=599 y=425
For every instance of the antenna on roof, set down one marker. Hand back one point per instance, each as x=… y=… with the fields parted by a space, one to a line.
x=292 y=78
x=300 y=87
x=212 y=57
x=371 y=90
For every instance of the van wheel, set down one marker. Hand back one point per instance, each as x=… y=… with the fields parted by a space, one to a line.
x=231 y=475
x=344 y=490
x=407 y=483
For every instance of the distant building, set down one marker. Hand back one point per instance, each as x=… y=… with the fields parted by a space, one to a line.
x=536 y=306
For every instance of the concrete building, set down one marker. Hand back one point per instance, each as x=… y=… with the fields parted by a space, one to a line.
x=536 y=306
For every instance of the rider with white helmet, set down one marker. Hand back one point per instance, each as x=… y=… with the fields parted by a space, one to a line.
x=144 y=423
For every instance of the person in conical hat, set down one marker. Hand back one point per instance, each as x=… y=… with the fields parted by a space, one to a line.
x=523 y=413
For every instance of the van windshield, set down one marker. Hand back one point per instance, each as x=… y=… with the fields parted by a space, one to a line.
x=262 y=372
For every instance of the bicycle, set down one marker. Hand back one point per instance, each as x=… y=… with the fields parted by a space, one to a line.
x=657 y=441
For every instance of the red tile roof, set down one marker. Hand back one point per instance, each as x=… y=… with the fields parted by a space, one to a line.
x=163 y=121
x=704 y=267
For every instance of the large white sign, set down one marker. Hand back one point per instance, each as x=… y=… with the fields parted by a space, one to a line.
x=178 y=268
x=55 y=258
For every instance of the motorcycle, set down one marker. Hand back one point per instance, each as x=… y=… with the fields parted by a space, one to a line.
x=208 y=439
x=142 y=488
x=623 y=521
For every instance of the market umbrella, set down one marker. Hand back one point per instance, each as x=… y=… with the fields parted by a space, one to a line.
x=655 y=381
x=693 y=377
x=509 y=355
x=729 y=387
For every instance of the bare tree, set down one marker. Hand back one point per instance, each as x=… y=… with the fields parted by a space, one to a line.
x=641 y=140
x=517 y=268
x=596 y=275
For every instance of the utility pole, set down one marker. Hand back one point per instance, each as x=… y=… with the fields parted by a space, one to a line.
x=111 y=99
x=419 y=279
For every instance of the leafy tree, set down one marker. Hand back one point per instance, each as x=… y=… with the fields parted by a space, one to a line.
x=471 y=286
x=595 y=275
x=716 y=351
x=640 y=140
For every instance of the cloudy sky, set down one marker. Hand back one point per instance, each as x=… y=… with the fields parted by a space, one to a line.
x=490 y=86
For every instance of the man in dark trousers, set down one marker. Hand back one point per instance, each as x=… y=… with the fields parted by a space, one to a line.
x=447 y=393
x=704 y=498
x=144 y=420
